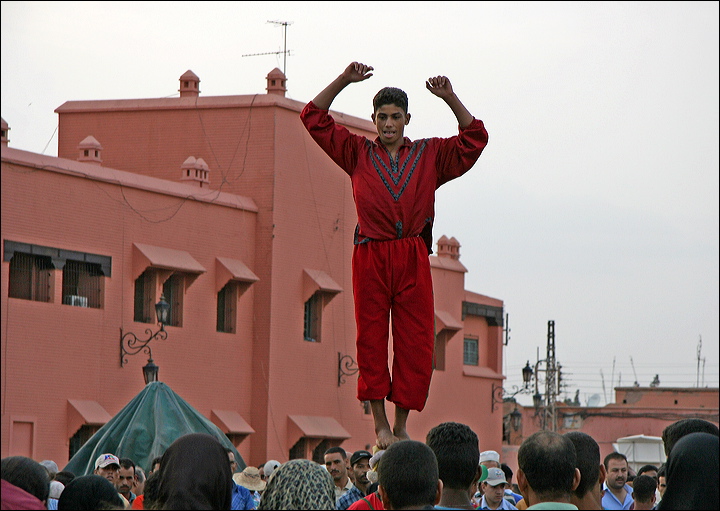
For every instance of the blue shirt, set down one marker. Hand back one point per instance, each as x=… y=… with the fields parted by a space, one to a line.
x=241 y=498
x=504 y=504
x=610 y=501
x=348 y=498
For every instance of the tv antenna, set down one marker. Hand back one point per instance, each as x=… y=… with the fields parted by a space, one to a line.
x=285 y=50
x=636 y=384
x=699 y=359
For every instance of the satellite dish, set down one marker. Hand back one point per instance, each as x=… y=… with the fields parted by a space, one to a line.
x=594 y=400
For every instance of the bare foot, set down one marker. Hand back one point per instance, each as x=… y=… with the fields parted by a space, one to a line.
x=385 y=438
x=401 y=434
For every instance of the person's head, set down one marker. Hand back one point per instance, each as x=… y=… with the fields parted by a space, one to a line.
x=195 y=474
x=490 y=459
x=107 y=465
x=408 y=476
x=152 y=485
x=336 y=462
x=675 y=431
x=616 y=470
x=250 y=479
x=268 y=469
x=51 y=468
x=692 y=471
x=125 y=479
x=140 y=479
x=155 y=465
x=390 y=115
x=233 y=461
x=360 y=465
x=547 y=464
x=662 y=480
x=90 y=492
x=456 y=448
x=508 y=475
x=592 y=473
x=644 y=492
x=27 y=474
x=648 y=470
x=64 y=477
x=299 y=484
x=494 y=486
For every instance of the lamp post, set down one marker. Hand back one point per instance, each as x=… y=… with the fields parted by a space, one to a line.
x=130 y=344
x=499 y=394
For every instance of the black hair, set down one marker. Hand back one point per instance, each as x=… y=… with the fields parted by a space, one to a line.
x=548 y=460
x=27 y=474
x=64 y=477
x=644 y=488
x=508 y=471
x=457 y=450
x=588 y=461
x=675 y=431
x=337 y=449
x=156 y=460
x=127 y=463
x=647 y=468
x=90 y=492
x=390 y=96
x=408 y=473
x=152 y=487
x=614 y=456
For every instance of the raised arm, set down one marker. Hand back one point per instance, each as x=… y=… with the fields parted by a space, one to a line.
x=355 y=72
x=441 y=87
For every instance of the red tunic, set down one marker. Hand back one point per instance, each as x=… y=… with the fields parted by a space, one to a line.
x=395 y=199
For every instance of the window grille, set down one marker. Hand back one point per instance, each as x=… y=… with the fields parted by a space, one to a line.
x=470 y=352
x=82 y=284
x=173 y=289
x=227 y=308
x=313 y=314
x=30 y=277
x=144 y=297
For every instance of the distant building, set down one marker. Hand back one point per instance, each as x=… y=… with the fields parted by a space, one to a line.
x=227 y=208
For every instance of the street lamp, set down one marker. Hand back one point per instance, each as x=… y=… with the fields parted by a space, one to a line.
x=499 y=394
x=131 y=345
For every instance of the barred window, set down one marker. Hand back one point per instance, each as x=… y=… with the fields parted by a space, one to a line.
x=30 y=277
x=227 y=300
x=174 y=291
x=145 y=297
x=82 y=284
x=313 y=316
x=470 y=351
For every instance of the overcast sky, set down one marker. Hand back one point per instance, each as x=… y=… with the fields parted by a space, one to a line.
x=595 y=203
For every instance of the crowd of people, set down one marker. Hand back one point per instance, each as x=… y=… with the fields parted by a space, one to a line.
x=446 y=471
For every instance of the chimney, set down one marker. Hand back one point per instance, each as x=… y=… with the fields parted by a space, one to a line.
x=276 y=82
x=90 y=151
x=5 y=129
x=448 y=248
x=195 y=171
x=189 y=85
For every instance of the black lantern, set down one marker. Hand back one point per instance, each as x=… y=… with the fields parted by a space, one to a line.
x=515 y=419
x=162 y=309
x=537 y=400
x=150 y=371
x=527 y=373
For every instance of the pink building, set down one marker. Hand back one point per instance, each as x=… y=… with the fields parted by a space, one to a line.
x=226 y=207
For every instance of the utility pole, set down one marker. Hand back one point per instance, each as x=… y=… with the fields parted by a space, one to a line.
x=285 y=50
x=551 y=379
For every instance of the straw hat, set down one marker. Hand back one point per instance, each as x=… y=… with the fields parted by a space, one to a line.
x=250 y=479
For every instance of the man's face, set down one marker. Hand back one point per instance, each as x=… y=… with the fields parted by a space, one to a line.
x=662 y=485
x=110 y=472
x=494 y=494
x=233 y=463
x=390 y=121
x=125 y=480
x=361 y=469
x=617 y=472
x=336 y=465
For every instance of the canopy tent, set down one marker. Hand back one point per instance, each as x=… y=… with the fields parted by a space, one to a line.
x=148 y=424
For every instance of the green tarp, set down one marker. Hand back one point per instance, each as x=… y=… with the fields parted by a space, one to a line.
x=148 y=424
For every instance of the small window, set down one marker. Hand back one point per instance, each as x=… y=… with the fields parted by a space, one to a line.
x=82 y=284
x=441 y=339
x=30 y=277
x=173 y=289
x=313 y=316
x=80 y=437
x=145 y=297
x=227 y=300
x=470 y=352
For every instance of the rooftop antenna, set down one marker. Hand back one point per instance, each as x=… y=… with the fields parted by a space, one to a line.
x=602 y=377
x=633 y=368
x=285 y=50
x=699 y=349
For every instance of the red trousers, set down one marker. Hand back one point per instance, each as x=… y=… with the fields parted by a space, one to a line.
x=391 y=279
